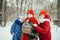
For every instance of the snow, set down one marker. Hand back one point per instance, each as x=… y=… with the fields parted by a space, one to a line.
x=55 y=32
x=5 y=32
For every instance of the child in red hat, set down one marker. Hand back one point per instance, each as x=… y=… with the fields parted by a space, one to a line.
x=30 y=15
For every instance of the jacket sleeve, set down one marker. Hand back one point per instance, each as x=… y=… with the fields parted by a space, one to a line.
x=43 y=30
x=13 y=28
x=38 y=28
x=33 y=20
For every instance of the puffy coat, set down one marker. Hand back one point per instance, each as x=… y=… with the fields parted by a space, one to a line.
x=16 y=29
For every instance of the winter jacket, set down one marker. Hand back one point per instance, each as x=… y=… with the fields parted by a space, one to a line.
x=16 y=29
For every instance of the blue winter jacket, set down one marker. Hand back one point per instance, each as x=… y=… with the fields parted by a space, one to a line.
x=16 y=28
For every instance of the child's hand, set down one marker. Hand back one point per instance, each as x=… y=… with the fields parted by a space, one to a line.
x=12 y=33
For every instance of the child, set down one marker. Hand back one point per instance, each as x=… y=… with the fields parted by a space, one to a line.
x=16 y=30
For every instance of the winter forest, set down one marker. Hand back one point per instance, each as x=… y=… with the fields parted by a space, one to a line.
x=11 y=10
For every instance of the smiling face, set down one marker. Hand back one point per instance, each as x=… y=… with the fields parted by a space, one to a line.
x=41 y=16
x=29 y=15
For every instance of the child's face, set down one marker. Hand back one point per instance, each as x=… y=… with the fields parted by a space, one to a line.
x=42 y=16
x=21 y=18
x=29 y=15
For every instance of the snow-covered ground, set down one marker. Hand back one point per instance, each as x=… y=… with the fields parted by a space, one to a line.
x=55 y=32
x=5 y=32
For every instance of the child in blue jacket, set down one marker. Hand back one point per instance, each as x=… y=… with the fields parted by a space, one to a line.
x=16 y=30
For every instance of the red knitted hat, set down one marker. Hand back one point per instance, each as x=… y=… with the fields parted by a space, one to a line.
x=43 y=12
x=30 y=12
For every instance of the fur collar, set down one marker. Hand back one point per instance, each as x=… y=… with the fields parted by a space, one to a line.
x=43 y=20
